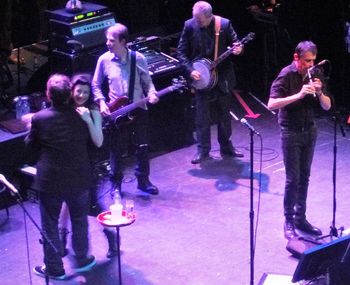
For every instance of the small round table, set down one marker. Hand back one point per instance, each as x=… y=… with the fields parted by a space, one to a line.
x=104 y=218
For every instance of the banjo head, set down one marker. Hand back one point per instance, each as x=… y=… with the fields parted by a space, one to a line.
x=203 y=66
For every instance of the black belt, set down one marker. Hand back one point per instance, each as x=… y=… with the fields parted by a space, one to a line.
x=298 y=128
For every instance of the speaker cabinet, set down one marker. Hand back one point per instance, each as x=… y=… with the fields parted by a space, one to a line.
x=66 y=63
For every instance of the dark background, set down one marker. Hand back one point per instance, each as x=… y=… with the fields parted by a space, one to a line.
x=322 y=21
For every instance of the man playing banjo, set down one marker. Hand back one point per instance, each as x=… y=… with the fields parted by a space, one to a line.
x=198 y=46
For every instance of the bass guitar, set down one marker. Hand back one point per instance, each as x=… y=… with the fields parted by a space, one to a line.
x=207 y=67
x=120 y=109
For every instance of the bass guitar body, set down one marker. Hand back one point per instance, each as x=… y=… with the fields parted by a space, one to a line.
x=209 y=76
x=121 y=119
x=118 y=103
x=121 y=111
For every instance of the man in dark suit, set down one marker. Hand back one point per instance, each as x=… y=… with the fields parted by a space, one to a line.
x=64 y=172
x=198 y=41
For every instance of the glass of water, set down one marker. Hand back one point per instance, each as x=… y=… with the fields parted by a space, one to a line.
x=129 y=207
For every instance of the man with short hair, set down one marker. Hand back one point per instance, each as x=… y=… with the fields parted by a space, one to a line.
x=115 y=66
x=197 y=41
x=64 y=174
x=296 y=95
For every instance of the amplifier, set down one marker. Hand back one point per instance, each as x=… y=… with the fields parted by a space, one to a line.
x=82 y=35
x=89 y=10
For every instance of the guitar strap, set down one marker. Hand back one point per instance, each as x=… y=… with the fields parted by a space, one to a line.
x=132 y=76
x=217 y=33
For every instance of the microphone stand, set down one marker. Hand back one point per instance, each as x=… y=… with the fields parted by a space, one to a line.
x=45 y=241
x=333 y=230
x=251 y=211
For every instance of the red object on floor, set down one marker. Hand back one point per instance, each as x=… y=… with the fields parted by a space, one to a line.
x=250 y=113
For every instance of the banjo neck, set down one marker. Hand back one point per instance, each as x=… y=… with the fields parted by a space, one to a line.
x=227 y=53
x=221 y=58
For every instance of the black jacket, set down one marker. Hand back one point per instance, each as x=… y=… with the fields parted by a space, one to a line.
x=193 y=45
x=62 y=138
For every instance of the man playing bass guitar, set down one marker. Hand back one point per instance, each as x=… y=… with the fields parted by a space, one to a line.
x=198 y=42
x=127 y=74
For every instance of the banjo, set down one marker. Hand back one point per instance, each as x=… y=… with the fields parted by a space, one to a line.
x=207 y=67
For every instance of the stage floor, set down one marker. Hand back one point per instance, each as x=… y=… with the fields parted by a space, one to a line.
x=196 y=231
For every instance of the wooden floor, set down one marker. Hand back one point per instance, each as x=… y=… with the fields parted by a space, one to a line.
x=197 y=230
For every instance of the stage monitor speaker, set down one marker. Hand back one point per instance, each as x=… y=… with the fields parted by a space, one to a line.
x=327 y=259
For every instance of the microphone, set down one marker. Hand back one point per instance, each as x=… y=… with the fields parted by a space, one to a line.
x=4 y=181
x=318 y=64
x=249 y=126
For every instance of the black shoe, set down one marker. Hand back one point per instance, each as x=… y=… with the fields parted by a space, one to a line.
x=289 y=230
x=41 y=271
x=306 y=227
x=146 y=186
x=86 y=264
x=200 y=157
x=231 y=152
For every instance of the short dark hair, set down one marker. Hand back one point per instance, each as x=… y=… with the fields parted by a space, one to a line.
x=58 y=89
x=304 y=47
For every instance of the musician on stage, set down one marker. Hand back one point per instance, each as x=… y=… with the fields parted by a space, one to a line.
x=115 y=65
x=296 y=93
x=198 y=41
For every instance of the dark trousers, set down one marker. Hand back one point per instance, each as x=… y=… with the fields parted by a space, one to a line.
x=298 y=150
x=50 y=207
x=213 y=106
x=138 y=129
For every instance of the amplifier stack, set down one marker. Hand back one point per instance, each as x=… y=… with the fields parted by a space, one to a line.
x=78 y=39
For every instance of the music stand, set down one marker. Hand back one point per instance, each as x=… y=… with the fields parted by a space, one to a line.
x=325 y=259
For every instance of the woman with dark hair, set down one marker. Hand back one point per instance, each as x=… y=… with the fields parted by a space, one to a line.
x=64 y=174
x=82 y=100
